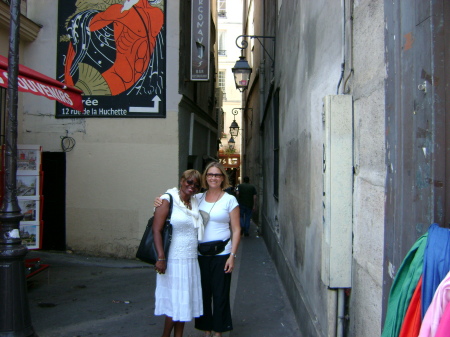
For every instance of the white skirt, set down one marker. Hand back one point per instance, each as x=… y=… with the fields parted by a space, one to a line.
x=178 y=292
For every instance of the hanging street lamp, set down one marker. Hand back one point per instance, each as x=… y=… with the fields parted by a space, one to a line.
x=241 y=72
x=242 y=69
x=231 y=143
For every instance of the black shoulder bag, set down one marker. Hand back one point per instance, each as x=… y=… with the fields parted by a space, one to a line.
x=147 y=250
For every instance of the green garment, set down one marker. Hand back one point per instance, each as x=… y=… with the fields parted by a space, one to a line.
x=402 y=289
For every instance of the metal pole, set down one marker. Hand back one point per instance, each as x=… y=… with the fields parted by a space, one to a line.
x=15 y=320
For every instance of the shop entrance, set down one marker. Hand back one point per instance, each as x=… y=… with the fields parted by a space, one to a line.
x=54 y=207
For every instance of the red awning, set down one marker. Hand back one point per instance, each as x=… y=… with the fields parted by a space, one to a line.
x=39 y=84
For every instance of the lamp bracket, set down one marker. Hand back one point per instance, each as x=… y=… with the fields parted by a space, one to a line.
x=244 y=44
x=235 y=111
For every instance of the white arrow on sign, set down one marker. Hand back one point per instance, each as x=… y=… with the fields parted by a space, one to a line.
x=155 y=108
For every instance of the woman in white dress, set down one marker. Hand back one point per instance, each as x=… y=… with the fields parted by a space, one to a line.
x=178 y=293
x=216 y=269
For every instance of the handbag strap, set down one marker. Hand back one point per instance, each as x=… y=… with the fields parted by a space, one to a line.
x=169 y=216
x=204 y=197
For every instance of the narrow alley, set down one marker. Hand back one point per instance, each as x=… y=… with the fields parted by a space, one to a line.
x=90 y=296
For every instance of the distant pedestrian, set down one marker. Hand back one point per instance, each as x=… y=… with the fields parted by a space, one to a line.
x=246 y=195
x=231 y=190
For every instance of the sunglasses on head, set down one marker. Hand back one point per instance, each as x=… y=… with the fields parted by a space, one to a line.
x=192 y=182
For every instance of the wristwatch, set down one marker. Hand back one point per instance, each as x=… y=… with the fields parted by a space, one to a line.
x=233 y=254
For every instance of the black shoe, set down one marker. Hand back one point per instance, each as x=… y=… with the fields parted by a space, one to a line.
x=242 y=232
x=246 y=234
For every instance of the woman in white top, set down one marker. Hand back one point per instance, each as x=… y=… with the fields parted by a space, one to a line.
x=223 y=225
x=178 y=293
x=223 y=210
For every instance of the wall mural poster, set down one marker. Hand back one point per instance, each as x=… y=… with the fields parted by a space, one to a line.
x=115 y=52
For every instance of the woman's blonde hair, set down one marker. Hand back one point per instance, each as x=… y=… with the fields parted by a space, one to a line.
x=226 y=180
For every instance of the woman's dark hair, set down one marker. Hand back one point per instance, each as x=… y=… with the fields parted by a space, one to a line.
x=191 y=174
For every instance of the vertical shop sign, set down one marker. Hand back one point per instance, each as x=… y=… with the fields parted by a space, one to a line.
x=200 y=40
x=115 y=52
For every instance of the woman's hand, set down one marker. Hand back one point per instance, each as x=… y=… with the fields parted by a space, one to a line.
x=160 y=267
x=229 y=265
x=157 y=202
x=235 y=239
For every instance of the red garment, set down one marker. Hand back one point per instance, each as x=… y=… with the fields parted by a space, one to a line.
x=413 y=317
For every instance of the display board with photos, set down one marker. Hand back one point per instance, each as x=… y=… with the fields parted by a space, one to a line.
x=2 y=171
x=29 y=194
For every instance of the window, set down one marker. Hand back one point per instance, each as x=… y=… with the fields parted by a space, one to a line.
x=222 y=43
x=222 y=83
x=222 y=8
x=276 y=143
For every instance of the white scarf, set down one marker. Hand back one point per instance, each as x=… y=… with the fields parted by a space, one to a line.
x=194 y=213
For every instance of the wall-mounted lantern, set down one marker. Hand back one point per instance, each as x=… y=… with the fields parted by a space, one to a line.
x=231 y=143
x=242 y=69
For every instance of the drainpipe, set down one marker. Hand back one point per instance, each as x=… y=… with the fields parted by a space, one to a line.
x=262 y=70
x=340 y=312
x=343 y=47
x=340 y=315
x=262 y=80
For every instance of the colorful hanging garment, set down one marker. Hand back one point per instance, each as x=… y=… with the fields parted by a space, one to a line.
x=413 y=318
x=444 y=324
x=436 y=263
x=433 y=316
x=404 y=284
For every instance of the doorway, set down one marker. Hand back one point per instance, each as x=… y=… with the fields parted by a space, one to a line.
x=54 y=206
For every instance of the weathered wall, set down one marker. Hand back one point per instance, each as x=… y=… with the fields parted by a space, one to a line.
x=117 y=165
x=307 y=68
x=308 y=62
x=367 y=88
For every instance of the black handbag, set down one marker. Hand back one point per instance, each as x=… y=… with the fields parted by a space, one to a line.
x=147 y=250
x=212 y=247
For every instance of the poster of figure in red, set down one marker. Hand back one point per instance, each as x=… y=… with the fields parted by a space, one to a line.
x=114 y=51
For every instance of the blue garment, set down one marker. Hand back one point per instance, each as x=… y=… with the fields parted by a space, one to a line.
x=436 y=263
x=246 y=215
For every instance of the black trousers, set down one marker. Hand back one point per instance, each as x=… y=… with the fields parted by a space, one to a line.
x=216 y=294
